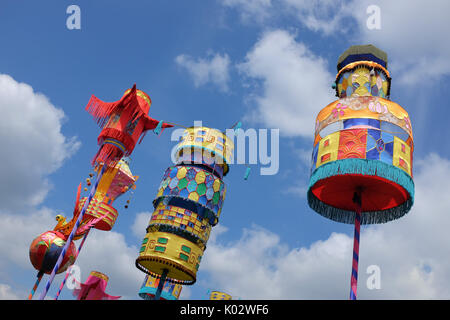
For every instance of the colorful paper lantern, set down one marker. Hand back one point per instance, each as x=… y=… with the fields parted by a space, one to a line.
x=361 y=168
x=188 y=203
x=45 y=250
x=100 y=213
x=122 y=122
x=113 y=184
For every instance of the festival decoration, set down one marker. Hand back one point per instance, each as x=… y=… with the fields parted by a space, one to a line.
x=361 y=168
x=94 y=288
x=45 y=250
x=170 y=291
x=188 y=203
x=122 y=122
x=100 y=214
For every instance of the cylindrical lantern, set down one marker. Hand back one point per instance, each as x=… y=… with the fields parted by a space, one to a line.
x=114 y=182
x=188 y=203
x=170 y=291
x=363 y=141
x=94 y=288
x=361 y=168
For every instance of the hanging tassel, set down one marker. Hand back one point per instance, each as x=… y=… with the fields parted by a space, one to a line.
x=247 y=173
x=158 y=128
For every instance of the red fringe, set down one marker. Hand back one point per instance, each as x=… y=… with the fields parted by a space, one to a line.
x=116 y=134
x=101 y=111
x=109 y=155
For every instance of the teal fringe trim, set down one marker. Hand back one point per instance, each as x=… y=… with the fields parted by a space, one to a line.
x=364 y=167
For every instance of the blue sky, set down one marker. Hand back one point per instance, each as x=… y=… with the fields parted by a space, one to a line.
x=268 y=63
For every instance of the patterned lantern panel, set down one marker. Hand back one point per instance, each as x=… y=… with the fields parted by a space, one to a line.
x=45 y=251
x=166 y=250
x=181 y=221
x=170 y=291
x=206 y=146
x=99 y=209
x=369 y=79
x=200 y=190
x=188 y=203
x=114 y=182
x=362 y=142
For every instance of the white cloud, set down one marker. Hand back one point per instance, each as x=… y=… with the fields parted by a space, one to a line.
x=295 y=83
x=106 y=252
x=413 y=34
x=412 y=254
x=214 y=69
x=6 y=293
x=17 y=252
x=31 y=142
x=257 y=10
x=109 y=253
x=321 y=15
x=140 y=224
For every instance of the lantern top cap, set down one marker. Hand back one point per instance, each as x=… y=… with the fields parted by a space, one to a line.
x=99 y=275
x=366 y=52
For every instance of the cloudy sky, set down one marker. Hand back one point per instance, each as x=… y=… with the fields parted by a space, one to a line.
x=268 y=63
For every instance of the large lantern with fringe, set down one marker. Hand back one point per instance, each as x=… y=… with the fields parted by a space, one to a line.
x=363 y=149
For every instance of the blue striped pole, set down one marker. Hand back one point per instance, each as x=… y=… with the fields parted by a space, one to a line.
x=67 y=272
x=72 y=234
x=78 y=252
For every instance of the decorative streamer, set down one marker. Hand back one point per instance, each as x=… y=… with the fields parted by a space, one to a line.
x=158 y=128
x=247 y=173
x=72 y=234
